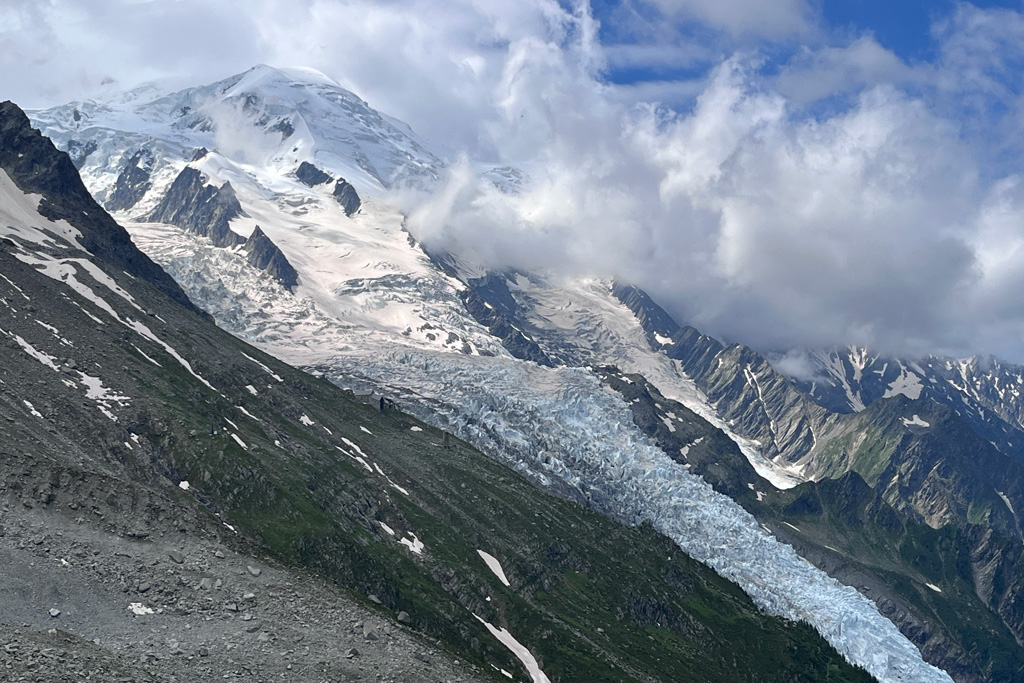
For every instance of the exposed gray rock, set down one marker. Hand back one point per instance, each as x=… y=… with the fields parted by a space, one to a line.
x=206 y=210
x=37 y=167
x=311 y=175
x=132 y=183
x=347 y=197
x=262 y=253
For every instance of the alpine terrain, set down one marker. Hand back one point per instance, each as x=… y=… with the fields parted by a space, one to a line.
x=539 y=478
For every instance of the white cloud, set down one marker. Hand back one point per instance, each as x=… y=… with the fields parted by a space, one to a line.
x=817 y=73
x=836 y=196
x=774 y=20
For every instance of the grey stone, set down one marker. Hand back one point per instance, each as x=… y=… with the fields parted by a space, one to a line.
x=403 y=618
x=175 y=556
x=54 y=612
x=206 y=583
x=255 y=571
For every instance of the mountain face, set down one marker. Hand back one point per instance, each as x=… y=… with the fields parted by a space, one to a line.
x=372 y=311
x=985 y=391
x=174 y=498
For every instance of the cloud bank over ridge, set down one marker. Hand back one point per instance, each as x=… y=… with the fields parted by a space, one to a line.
x=779 y=183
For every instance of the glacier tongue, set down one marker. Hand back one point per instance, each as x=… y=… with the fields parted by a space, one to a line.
x=560 y=424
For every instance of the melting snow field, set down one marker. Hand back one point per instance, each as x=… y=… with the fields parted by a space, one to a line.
x=494 y=565
x=519 y=650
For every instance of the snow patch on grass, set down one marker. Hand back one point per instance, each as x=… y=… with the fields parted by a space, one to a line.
x=494 y=565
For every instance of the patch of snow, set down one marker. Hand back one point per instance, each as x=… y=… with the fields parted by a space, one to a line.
x=915 y=421
x=268 y=370
x=907 y=384
x=934 y=587
x=664 y=341
x=144 y=355
x=32 y=409
x=519 y=650
x=247 y=413
x=354 y=447
x=414 y=428
x=183 y=485
x=494 y=565
x=238 y=440
x=306 y=421
x=414 y=544
x=389 y=530
x=251 y=389
x=44 y=358
x=1007 y=501
x=365 y=430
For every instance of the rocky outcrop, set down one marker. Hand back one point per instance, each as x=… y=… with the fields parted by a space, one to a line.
x=346 y=195
x=262 y=253
x=758 y=402
x=132 y=183
x=37 y=167
x=203 y=209
x=491 y=304
x=310 y=175
x=684 y=436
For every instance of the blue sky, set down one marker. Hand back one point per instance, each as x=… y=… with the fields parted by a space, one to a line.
x=777 y=172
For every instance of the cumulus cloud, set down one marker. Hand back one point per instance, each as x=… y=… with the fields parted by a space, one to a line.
x=815 y=194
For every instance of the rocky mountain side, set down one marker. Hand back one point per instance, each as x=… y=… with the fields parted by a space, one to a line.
x=202 y=208
x=202 y=509
x=985 y=391
x=133 y=182
x=29 y=157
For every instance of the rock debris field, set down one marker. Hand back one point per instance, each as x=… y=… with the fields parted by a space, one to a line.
x=79 y=603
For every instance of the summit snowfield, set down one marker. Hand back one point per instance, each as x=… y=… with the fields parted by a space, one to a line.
x=371 y=309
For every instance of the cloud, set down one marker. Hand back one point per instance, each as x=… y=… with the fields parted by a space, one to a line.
x=772 y=20
x=769 y=192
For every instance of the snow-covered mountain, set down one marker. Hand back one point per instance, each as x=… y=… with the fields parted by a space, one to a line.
x=370 y=309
